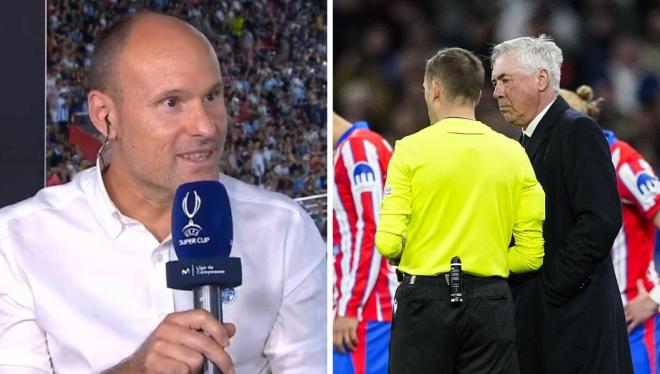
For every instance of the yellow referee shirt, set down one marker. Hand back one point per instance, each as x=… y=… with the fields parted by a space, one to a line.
x=458 y=188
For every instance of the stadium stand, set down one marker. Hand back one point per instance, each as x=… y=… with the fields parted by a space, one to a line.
x=614 y=46
x=273 y=59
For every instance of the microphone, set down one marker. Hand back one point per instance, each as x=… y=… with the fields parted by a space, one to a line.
x=202 y=235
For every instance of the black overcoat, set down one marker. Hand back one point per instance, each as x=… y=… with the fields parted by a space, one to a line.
x=569 y=314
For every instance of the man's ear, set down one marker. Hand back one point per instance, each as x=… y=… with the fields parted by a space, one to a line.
x=437 y=89
x=542 y=80
x=103 y=113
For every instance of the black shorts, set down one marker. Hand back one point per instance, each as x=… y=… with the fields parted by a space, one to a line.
x=430 y=335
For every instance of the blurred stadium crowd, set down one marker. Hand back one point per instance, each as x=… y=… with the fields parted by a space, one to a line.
x=380 y=48
x=273 y=59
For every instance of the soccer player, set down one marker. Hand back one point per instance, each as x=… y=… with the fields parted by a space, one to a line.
x=632 y=252
x=364 y=282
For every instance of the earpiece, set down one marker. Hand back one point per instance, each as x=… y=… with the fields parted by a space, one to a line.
x=107 y=126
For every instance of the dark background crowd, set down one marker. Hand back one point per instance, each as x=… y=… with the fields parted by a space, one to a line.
x=273 y=59
x=380 y=48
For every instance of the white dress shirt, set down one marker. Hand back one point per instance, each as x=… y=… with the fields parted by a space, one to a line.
x=82 y=286
x=529 y=130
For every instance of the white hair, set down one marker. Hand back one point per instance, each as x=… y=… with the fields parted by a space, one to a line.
x=534 y=54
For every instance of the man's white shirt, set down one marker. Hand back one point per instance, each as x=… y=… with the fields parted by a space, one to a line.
x=529 y=130
x=82 y=286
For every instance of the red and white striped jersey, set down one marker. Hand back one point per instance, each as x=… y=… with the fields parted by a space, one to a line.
x=364 y=282
x=632 y=251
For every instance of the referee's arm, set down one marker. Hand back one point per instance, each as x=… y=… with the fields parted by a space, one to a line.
x=395 y=209
x=527 y=253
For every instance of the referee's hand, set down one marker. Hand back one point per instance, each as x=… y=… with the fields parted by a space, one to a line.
x=344 y=334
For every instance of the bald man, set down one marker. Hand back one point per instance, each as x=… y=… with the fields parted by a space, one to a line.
x=82 y=266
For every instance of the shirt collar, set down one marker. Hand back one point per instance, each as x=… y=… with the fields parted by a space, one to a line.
x=356 y=126
x=529 y=131
x=460 y=124
x=112 y=220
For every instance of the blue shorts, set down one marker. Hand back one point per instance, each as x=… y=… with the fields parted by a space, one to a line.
x=371 y=354
x=644 y=346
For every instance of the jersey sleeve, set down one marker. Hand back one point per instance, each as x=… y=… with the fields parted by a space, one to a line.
x=527 y=253
x=396 y=207
x=637 y=182
x=358 y=177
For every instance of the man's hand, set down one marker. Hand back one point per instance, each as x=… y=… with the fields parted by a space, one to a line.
x=344 y=331
x=180 y=344
x=640 y=308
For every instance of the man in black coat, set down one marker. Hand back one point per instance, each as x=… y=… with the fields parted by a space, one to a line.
x=569 y=315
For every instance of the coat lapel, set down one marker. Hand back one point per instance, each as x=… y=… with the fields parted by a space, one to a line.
x=541 y=131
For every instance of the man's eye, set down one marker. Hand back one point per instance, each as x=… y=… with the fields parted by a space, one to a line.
x=212 y=96
x=170 y=102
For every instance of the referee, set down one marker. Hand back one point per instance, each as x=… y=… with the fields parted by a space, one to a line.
x=458 y=189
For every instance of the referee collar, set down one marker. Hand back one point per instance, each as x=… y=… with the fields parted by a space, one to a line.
x=460 y=124
x=356 y=126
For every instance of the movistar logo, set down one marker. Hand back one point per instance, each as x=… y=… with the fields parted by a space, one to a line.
x=191 y=229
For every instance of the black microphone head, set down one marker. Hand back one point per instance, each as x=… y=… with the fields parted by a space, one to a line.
x=201 y=221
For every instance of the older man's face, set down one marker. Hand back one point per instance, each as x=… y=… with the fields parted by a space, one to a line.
x=171 y=112
x=515 y=90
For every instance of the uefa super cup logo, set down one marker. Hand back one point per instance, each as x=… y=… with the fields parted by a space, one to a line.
x=191 y=229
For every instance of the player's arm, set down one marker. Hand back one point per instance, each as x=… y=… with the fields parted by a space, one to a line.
x=643 y=306
x=359 y=169
x=527 y=253
x=396 y=208
x=654 y=294
x=639 y=185
x=339 y=124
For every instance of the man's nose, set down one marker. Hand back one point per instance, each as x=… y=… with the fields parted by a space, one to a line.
x=201 y=122
x=498 y=91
